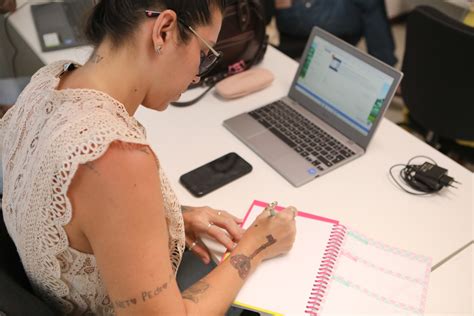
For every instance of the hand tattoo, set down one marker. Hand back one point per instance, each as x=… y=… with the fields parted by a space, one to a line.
x=195 y=291
x=242 y=262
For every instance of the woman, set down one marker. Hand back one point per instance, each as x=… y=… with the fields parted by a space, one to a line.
x=97 y=226
x=347 y=19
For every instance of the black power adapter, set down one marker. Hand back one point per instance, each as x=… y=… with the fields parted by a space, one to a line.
x=433 y=176
x=425 y=179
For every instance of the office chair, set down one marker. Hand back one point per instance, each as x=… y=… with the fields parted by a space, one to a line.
x=439 y=73
x=16 y=296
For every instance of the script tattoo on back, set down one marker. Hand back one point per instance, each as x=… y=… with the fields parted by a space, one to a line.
x=242 y=262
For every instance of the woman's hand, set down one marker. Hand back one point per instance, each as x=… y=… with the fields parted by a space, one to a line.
x=271 y=234
x=217 y=224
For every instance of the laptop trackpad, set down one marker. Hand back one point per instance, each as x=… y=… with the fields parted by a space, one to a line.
x=269 y=146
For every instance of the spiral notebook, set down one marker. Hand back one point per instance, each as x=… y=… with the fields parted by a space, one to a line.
x=333 y=269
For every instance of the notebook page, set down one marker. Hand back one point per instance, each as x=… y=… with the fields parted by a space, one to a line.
x=283 y=284
x=373 y=278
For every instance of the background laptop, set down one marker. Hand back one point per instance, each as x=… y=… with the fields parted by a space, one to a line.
x=336 y=101
x=60 y=24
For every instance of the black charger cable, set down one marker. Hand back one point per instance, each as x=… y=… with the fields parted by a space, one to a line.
x=423 y=179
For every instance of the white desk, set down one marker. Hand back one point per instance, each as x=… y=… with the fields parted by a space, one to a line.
x=457 y=277
x=359 y=194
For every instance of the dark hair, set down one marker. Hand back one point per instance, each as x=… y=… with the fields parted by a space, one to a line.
x=118 y=19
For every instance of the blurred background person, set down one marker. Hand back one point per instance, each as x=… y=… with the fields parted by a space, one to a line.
x=348 y=19
x=7 y=6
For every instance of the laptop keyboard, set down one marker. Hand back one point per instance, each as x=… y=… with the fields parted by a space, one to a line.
x=303 y=136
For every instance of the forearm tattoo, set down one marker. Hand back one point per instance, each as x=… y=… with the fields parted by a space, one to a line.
x=194 y=292
x=242 y=262
x=90 y=165
x=145 y=296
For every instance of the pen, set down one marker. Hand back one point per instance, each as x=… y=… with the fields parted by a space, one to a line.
x=271 y=208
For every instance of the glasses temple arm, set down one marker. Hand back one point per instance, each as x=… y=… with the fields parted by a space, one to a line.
x=204 y=41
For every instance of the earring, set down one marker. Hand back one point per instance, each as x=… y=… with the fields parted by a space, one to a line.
x=158 y=49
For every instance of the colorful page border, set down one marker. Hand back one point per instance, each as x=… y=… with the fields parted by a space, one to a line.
x=279 y=208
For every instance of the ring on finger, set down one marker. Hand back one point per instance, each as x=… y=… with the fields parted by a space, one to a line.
x=192 y=245
x=210 y=225
x=271 y=208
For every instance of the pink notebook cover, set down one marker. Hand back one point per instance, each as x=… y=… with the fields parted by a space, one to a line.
x=279 y=208
x=332 y=269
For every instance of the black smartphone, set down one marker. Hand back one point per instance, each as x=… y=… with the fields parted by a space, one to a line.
x=215 y=174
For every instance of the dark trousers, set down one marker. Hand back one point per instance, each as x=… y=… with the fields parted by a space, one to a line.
x=191 y=270
x=347 y=19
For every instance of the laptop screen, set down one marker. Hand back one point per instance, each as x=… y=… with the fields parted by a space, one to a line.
x=344 y=85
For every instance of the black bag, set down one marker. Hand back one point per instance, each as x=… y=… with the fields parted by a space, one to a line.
x=242 y=40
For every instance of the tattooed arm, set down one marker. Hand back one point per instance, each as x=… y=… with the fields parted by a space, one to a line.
x=121 y=220
x=266 y=238
x=223 y=283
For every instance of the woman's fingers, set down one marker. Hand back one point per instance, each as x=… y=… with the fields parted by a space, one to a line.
x=290 y=211
x=265 y=213
x=195 y=245
x=234 y=218
x=202 y=252
x=221 y=236
x=229 y=223
x=217 y=224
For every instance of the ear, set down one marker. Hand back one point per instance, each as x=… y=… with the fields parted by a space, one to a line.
x=164 y=27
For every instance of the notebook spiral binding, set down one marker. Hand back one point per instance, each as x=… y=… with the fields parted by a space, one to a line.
x=323 y=277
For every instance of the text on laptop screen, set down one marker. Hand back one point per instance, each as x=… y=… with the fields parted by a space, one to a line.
x=343 y=84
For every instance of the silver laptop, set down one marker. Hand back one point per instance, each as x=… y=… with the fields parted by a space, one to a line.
x=336 y=101
x=60 y=24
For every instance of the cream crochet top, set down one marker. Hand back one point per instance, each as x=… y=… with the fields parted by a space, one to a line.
x=44 y=138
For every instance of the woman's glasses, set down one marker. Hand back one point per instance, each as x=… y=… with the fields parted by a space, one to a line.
x=208 y=61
